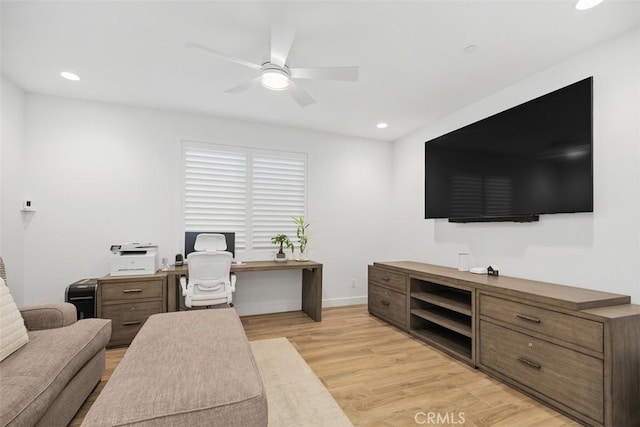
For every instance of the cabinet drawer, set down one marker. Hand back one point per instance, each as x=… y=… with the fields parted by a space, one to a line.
x=566 y=376
x=128 y=318
x=576 y=330
x=132 y=290
x=390 y=279
x=387 y=304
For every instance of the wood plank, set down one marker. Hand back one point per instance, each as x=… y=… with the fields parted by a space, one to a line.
x=451 y=300
x=256 y=266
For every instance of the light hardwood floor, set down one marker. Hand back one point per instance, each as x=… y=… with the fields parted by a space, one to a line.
x=381 y=376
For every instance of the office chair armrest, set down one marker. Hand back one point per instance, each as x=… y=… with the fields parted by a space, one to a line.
x=183 y=285
x=233 y=282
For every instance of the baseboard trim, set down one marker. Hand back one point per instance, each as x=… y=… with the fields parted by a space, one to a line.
x=268 y=308
x=340 y=302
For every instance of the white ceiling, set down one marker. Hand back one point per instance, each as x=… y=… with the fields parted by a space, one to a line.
x=412 y=66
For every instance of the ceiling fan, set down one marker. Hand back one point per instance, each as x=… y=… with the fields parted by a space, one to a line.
x=275 y=74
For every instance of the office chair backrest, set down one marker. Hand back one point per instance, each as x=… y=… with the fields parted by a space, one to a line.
x=208 y=270
x=210 y=242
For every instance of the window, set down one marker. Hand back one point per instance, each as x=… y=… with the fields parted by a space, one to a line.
x=254 y=193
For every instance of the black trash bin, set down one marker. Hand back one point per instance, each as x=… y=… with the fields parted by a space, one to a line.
x=82 y=294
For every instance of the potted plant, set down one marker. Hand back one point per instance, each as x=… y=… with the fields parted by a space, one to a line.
x=282 y=240
x=303 y=238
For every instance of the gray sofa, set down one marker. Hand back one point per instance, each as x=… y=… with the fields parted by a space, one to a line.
x=45 y=382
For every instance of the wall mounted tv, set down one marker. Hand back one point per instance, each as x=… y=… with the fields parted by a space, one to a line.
x=532 y=159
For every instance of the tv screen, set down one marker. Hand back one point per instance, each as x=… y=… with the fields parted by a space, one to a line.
x=532 y=159
x=190 y=240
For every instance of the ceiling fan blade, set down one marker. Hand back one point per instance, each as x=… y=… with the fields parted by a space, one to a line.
x=243 y=87
x=302 y=98
x=224 y=56
x=281 y=40
x=326 y=73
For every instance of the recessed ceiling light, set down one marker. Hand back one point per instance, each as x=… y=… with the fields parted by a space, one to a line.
x=587 y=4
x=70 y=76
x=381 y=125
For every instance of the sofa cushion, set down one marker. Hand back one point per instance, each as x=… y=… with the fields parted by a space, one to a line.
x=13 y=333
x=32 y=377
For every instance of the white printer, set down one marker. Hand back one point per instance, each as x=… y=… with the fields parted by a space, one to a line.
x=134 y=258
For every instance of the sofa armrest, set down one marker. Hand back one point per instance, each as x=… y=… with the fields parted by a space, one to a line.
x=48 y=316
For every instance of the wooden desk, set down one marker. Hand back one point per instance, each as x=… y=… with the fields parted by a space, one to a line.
x=311 y=282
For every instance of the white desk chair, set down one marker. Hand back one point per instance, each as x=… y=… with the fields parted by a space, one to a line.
x=210 y=279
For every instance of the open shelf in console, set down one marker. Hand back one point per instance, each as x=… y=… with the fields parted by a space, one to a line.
x=442 y=316
x=444 y=339
x=452 y=300
x=447 y=319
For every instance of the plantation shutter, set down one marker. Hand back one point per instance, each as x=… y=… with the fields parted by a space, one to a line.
x=278 y=195
x=254 y=193
x=216 y=192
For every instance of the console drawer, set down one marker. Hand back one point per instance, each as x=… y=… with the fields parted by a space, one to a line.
x=565 y=376
x=128 y=318
x=131 y=290
x=387 y=304
x=390 y=279
x=576 y=330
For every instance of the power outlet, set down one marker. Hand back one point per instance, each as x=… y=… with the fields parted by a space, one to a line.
x=353 y=283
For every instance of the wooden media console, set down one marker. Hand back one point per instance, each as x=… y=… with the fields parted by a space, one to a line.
x=576 y=350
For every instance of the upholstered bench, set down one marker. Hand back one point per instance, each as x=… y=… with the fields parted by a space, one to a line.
x=190 y=368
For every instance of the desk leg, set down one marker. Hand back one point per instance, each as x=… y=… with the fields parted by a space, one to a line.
x=312 y=293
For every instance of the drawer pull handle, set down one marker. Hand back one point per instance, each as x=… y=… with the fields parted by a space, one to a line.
x=528 y=318
x=529 y=363
x=128 y=291
x=385 y=303
x=133 y=322
x=386 y=278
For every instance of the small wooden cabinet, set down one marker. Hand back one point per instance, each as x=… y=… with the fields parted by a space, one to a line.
x=129 y=301
x=388 y=296
x=577 y=350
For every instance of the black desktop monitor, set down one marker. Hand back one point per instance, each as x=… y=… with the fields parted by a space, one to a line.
x=190 y=240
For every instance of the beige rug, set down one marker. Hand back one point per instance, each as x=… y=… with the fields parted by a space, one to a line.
x=296 y=396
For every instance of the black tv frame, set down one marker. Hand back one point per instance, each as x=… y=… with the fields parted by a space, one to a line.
x=190 y=240
x=523 y=217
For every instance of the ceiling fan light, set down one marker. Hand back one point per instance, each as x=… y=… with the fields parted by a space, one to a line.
x=587 y=4
x=275 y=80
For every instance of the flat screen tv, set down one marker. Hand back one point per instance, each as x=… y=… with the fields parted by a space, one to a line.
x=532 y=159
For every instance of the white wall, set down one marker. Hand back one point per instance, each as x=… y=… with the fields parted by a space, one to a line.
x=12 y=122
x=599 y=250
x=103 y=174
